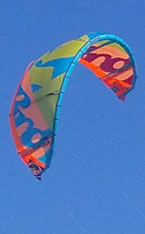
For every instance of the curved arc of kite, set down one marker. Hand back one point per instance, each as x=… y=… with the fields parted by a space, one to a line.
x=87 y=41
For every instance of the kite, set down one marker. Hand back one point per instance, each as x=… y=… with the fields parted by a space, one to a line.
x=36 y=105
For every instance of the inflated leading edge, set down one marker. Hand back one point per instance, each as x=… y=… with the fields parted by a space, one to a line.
x=36 y=105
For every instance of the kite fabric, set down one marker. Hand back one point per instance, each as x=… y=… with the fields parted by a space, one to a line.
x=36 y=105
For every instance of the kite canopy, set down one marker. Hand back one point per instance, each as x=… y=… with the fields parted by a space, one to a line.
x=36 y=105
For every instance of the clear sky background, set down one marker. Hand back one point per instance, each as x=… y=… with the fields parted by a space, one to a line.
x=96 y=183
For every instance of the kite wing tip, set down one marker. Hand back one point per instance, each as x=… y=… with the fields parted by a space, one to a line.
x=38 y=177
x=123 y=99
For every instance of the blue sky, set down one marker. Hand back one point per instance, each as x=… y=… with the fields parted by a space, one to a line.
x=96 y=183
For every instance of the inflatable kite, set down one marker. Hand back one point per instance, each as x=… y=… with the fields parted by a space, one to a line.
x=36 y=105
